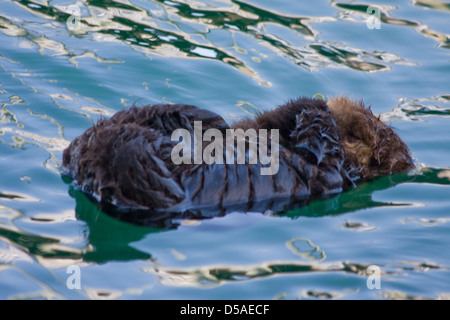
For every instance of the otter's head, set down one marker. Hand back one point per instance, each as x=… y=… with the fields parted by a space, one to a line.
x=370 y=145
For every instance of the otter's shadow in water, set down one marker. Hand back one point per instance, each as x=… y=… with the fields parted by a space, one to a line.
x=110 y=238
x=90 y=209
x=361 y=197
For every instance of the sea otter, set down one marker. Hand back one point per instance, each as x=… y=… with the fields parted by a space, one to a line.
x=323 y=148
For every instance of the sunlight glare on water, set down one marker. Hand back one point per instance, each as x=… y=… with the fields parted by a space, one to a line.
x=65 y=64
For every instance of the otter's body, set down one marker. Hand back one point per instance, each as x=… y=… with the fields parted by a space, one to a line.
x=126 y=162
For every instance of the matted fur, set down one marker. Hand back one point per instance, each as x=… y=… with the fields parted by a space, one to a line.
x=125 y=160
x=370 y=144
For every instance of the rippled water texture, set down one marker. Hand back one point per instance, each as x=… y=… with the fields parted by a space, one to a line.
x=59 y=73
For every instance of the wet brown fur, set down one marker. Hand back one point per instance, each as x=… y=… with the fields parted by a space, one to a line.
x=370 y=144
x=324 y=149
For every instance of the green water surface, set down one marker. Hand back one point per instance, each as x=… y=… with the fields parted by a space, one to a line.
x=60 y=73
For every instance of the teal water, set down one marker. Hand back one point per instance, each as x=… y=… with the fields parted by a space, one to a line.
x=58 y=76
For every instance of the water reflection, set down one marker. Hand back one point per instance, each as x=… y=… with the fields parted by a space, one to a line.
x=355 y=199
x=306 y=249
x=186 y=29
x=361 y=197
x=418 y=109
x=214 y=31
x=102 y=229
x=109 y=238
x=213 y=276
x=433 y=4
x=443 y=39
x=105 y=239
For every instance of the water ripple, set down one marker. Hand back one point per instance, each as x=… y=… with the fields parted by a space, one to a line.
x=418 y=109
x=385 y=17
x=58 y=80
x=187 y=29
